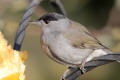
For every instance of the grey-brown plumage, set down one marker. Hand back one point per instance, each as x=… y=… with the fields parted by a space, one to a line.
x=68 y=42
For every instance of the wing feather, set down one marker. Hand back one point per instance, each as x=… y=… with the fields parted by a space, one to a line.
x=80 y=37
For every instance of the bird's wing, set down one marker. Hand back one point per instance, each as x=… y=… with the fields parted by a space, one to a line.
x=80 y=37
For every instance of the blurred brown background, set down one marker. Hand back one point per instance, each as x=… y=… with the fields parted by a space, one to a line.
x=102 y=17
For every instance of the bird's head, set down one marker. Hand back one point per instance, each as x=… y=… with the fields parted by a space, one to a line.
x=53 y=22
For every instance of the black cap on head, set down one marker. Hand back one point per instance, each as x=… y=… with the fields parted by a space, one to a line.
x=51 y=17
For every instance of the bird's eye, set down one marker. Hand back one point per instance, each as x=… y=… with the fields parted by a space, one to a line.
x=46 y=21
x=48 y=18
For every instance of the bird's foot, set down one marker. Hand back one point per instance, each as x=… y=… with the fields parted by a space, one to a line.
x=83 y=70
x=64 y=74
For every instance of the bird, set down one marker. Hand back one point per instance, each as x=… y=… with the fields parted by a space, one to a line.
x=68 y=42
x=57 y=5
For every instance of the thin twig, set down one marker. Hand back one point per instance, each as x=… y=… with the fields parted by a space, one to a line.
x=24 y=23
x=58 y=6
x=76 y=72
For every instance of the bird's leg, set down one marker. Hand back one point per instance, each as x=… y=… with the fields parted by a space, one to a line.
x=82 y=66
x=64 y=74
x=83 y=63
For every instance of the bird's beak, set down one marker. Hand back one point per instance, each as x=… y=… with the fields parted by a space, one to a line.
x=34 y=22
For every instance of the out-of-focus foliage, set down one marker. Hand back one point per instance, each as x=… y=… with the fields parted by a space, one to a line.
x=92 y=13
x=116 y=36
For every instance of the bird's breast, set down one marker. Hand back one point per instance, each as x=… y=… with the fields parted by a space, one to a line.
x=60 y=49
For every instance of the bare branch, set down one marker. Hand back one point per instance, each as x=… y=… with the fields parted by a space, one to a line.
x=58 y=6
x=24 y=23
x=76 y=72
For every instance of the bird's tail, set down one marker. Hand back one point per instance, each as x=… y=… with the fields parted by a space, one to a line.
x=98 y=53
